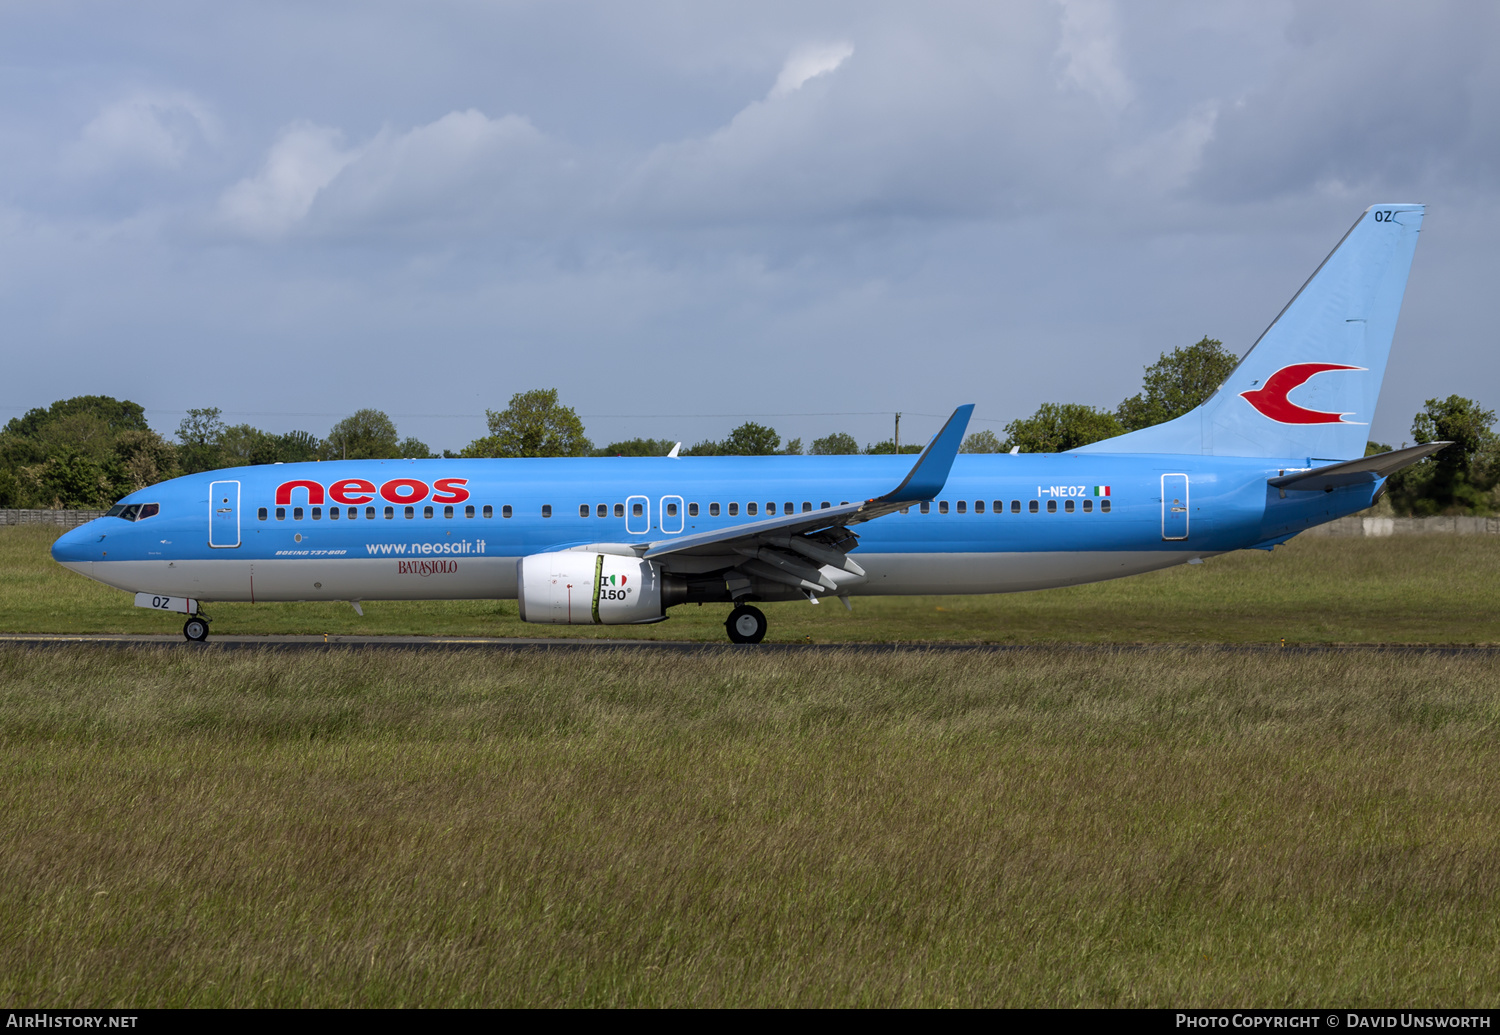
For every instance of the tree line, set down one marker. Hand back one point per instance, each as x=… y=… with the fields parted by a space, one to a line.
x=88 y=451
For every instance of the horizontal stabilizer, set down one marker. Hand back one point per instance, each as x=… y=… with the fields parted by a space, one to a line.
x=1353 y=472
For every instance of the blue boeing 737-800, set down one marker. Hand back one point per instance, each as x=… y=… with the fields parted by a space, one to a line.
x=1277 y=449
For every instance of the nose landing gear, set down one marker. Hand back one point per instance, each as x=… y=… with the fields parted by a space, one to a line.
x=746 y=624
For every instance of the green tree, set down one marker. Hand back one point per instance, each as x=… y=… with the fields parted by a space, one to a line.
x=201 y=434
x=1177 y=383
x=415 y=449
x=141 y=458
x=837 y=444
x=534 y=424
x=71 y=482
x=81 y=452
x=1055 y=428
x=363 y=435
x=638 y=447
x=116 y=414
x=751 y=439
x=792 y=448
x=294 y=447
x=1459 y=478
x=889 y=446
x=981 y=442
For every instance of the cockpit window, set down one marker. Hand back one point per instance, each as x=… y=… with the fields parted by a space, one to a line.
x=133 y=511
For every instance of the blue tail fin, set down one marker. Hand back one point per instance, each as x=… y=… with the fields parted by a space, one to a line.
x=1308 y=386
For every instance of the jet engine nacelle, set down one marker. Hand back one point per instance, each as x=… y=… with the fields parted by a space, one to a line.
x=575 y=587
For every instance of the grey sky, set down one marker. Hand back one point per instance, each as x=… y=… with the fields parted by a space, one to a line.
x=291 y=211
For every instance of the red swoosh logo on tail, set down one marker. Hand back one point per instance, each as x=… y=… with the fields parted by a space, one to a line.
x=1271 y=398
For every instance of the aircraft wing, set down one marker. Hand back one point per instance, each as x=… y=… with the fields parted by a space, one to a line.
x=790 y=549
x=1352 y=472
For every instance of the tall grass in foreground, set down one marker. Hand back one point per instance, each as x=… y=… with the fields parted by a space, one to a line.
x=733 y=827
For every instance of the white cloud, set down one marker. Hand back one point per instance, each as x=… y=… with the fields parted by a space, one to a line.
x=464 y=164
x=807 y=63
x=153 y=131
x=1090 y=49
x=301 y=163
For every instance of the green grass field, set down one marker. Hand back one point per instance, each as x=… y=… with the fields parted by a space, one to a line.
x=1041 y=827
x=1420 y=589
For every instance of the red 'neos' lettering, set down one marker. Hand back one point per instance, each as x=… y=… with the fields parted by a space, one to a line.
x=450 y=490
x=404 y=490
x=314 y=492
x=351 y=490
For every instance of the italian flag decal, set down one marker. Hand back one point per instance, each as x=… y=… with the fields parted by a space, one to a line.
x=1101 y=490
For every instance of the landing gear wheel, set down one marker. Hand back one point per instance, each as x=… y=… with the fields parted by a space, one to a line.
x=746 y=624
x=195 y=629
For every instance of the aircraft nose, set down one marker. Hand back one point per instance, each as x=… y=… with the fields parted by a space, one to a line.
x=78 y=545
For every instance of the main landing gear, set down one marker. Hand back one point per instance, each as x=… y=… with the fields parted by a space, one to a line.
x=196 y=628
x=746 y=624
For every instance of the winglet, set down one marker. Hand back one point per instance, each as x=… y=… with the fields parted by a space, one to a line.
x=930 y=472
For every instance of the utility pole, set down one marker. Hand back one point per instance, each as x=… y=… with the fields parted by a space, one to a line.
x=897 y=439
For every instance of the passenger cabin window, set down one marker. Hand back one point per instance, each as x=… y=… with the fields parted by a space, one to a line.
x=602 y=510
x=692 y=510
x=448 y=513
x=583 y=510
x=261 y=514
x=789 y=509
x=390 y=513
x=280 y=513
x=1104 y=506
x=926 y=508
x=979 y=506
x=546 y=510
x=771 y=507
x=352 y=513
x=1033 y=506
x=1052 y=506
x=296 y=513
x=713 y=510
x=942 y=506
x=469 y=511
x=427 y=513
x=317 y=513
x=1088 y=506
x=824 y=505
x=734 y=510
x=369 y=513
x=333 y=513
x=1068 y=506
x=999 y=506
x=750 y=509
x=619 y=510
x=671 y=510
x=411 y=512
x=637 y=509
x=807 y=506
x=962 y=506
